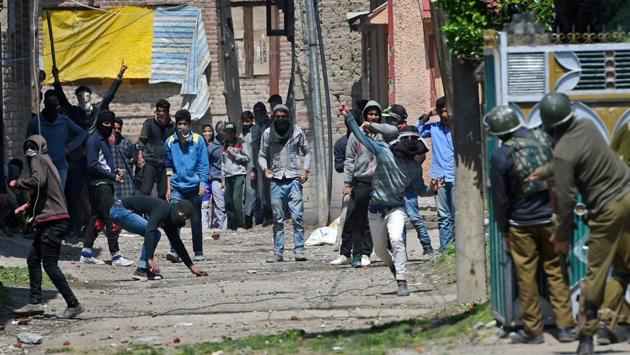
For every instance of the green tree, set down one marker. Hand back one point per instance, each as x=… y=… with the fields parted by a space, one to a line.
x=467 y=19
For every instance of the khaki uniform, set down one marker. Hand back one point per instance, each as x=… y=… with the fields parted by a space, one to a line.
x=609 y=245
x=583 y=161
x=530 y=246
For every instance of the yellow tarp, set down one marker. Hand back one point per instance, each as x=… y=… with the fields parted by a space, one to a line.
x=93 y=43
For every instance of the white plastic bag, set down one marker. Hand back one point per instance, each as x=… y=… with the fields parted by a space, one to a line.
x=322 y=236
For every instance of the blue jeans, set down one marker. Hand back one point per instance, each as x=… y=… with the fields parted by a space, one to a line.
x=287 y=193
x=195 y=220
x=63 y=174
x=411 y=207
x=133 y=223
x=446 y=214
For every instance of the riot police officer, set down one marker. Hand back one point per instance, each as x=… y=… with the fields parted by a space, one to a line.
x=582 y=160
x=524 y=215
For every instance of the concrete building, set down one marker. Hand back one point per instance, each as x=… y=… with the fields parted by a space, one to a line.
x=264 y=66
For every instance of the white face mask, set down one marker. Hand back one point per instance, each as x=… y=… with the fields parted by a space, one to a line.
x=85 y=101
x=31 y=152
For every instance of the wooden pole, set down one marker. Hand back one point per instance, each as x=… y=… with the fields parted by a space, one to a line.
x=52 y=39
x=231 y=79
x=460 y=86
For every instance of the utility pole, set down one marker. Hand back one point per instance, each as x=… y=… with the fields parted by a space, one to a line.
x=460 y=86
x=232 y=86
x=315 y=110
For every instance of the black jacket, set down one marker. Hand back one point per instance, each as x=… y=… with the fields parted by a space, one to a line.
x=508 y=202
x=340 y=153
x=158 y=214
x=151 y=140
x=78 y=115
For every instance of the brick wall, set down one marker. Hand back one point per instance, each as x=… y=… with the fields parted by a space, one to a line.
x=16 y=73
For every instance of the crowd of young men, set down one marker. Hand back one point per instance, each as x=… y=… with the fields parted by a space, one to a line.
x=221 y=180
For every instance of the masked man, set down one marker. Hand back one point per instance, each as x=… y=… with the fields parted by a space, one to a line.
x=50 y=219
x=396 y=169
x=102 y=176
x=63 y=135
x=187 y=169
x=279 y=155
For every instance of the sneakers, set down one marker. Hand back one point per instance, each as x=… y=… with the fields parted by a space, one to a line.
x=139 y=275
x=199 y=258
x=300 y=257
x=403 y=290
x=522 y=337
x=91 y=260
x=30 y=310
x=566 y=335
x=122 y=262
x=365 y=261
x=428 y=251
x=605 y=336
x=275 y=259
x=145 y=275
x=174 y=258
x=70 y=313
x=341 y=260
x=356 y=261
x=586 y=345
x=152 y=276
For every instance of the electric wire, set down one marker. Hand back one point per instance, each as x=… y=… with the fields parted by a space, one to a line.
x=38 y=89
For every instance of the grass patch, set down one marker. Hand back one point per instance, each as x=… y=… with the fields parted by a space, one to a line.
x=18 y=277
x=446 y=261
x=441 y=329
x=448 y=255
x=59 y=350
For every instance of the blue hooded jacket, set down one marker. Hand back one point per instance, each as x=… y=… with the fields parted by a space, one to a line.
x=188 y=167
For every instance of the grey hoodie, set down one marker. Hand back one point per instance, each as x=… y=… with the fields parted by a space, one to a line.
x=360 y=163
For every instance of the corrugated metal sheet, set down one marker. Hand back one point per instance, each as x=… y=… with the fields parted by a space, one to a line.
x=526 y=73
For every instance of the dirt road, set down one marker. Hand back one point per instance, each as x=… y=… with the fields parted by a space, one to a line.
x=243 y=295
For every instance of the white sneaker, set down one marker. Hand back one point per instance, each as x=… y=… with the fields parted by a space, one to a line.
x=91 y=260
x=122 y=262
x=341 y=260
x=199 y=258
x=365 y=261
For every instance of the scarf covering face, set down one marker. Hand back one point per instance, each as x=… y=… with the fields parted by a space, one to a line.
x=281 y=130
x=184 y=135
x=408 y=149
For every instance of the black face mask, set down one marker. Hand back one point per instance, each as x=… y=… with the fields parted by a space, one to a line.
x=177 y=220
x=49 y=112
x=105 y=131
x=408 y=149
x=246 y=129
x=282 y=126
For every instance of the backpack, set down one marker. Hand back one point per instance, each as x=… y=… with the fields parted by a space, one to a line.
x=528 y=154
